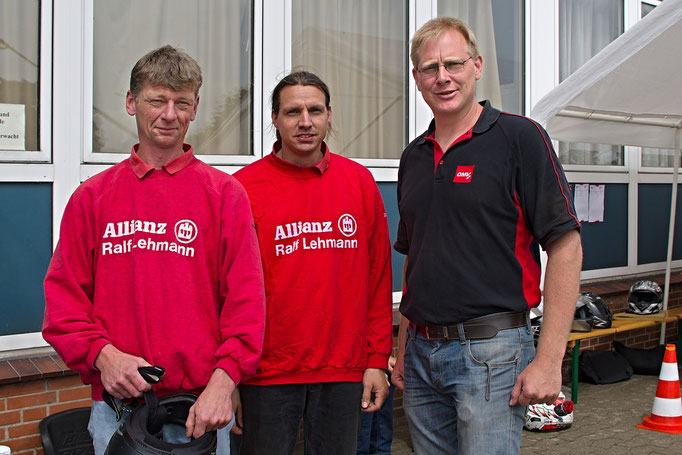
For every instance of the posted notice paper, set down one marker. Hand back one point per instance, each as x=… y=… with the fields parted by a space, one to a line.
x=12 y=127
x=582 y=201
x=596 y=204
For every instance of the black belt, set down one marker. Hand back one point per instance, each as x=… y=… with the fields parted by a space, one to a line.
x=475 y=329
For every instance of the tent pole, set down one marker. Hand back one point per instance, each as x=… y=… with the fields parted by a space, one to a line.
x=618 y=118
x=671 y=231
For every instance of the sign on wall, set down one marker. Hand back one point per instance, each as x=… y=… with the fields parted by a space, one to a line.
x=12 y=127
x=589 y=202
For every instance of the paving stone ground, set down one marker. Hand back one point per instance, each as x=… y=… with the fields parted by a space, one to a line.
x=605 y=420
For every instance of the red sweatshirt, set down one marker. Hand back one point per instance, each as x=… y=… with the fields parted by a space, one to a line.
x=326 y=256
x=163 y=264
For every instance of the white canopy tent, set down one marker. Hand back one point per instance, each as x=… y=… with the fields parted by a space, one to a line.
x=630 y=93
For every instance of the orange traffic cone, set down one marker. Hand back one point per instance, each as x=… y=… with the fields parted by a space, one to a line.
x=666 y=415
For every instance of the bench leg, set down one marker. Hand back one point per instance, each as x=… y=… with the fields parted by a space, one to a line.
x=574 y=372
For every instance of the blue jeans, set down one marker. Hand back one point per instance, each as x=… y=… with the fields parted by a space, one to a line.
x=376 y=429
x=330 y=412
x=103 y=425
x=457 y=392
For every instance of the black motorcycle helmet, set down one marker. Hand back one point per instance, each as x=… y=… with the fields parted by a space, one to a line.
x=592 y=309
x=140 y=432
x=646 y=297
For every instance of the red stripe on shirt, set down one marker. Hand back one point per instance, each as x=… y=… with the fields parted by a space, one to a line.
x=530 y=269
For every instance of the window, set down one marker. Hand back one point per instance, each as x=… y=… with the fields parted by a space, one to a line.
x=647 y=8
x=583 y=153
x=585 y=28
x=19 y=76
x=217 y=34
x=498 y=26
x=359 y=50
x=653 y=157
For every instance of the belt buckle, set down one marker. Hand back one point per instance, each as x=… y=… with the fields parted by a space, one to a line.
x=430 y=334
x=443 y=335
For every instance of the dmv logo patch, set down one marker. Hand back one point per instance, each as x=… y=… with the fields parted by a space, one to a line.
x=464 y=174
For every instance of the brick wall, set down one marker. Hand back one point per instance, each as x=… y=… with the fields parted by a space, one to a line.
x=24 y=404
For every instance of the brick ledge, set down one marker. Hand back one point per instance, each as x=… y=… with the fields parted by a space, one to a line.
x=30 y=368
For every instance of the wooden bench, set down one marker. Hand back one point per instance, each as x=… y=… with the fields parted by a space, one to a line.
x=622 y=322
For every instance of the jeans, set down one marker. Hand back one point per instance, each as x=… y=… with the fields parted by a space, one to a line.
x=457 y=392
x=103 y=425
x=272 y=417
x=376 y=429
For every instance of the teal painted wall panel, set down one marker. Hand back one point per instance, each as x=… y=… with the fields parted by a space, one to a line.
x=605 y=244
x=390 y=197
x=25 y=251
x=653 y=220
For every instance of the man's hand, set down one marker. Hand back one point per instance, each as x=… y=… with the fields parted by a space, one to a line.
x=374 y=381
x=398 y=373
x=213 y=408
x=536 y=384
x=391 y=364
x=237 y=407
x=119 y=374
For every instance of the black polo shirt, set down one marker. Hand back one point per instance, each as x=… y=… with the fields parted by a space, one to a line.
x=471 y=228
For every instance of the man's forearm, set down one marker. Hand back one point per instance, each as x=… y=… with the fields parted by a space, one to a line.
x=562 y=284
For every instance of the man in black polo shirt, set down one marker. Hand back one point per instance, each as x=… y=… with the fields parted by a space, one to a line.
x=478 y=193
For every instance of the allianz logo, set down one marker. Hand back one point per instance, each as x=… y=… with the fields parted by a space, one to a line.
x=185 y=230
x=346 y=225
x=123 y=228
x=291 y=230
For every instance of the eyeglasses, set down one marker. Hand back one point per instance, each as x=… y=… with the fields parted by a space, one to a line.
x=452 y=67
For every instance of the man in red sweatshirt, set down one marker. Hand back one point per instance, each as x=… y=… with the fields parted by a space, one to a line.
x=324 y=241
x=158 y=264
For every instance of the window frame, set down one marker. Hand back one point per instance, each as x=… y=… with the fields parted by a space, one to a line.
x=271 y=59
x=34 y=165
x=91 y=158
x=44 y=154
